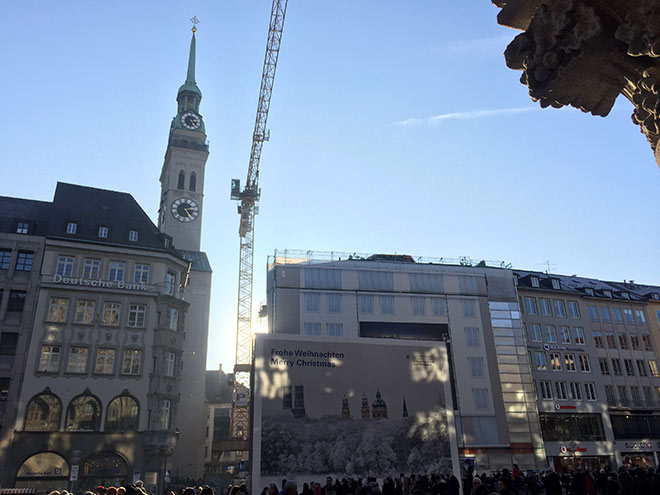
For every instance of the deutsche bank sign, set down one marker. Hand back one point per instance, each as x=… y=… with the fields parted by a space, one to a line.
x=106 y=284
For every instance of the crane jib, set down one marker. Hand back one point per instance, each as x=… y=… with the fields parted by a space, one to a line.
x=240 y=417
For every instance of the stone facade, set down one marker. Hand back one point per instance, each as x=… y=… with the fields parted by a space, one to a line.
x=100 y=388
x=22 y=236
x=595 y=365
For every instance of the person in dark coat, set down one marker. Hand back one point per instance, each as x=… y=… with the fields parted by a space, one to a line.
x=578 y=484
x=552 y=484
x=627 y=485
x=612 y=485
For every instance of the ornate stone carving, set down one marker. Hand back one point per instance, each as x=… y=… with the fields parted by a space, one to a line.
x=585 y=53
x=641 y=31
x=552 y=52
x=646 y=98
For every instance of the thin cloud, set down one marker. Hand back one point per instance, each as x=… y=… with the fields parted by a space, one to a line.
x=471 y=115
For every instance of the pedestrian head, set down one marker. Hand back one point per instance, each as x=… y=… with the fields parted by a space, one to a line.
x=291 y=488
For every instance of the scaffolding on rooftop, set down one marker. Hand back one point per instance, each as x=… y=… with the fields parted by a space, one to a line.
x=299 y=256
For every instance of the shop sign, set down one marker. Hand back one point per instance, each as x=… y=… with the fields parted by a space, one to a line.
x=44 y=464
x=74 y=472
x=105 y=284
x=638 y=445
x=549 y=347
x=566 y=450
x=564 y=406
x=242 y=397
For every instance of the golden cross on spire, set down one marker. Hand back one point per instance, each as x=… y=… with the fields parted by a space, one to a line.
x=195 y=21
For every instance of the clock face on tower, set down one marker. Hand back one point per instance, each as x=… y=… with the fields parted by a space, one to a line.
x=191 y=120
x=185 y=210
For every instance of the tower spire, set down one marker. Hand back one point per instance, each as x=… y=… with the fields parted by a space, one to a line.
x=189 y=96
x=190 y=78
x=190 y=86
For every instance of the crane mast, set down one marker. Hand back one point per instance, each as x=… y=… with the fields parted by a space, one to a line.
x=248 y=207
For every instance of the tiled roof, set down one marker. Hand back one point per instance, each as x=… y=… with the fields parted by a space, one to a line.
x=92 y=208
x=580 y=285
x=14 y=210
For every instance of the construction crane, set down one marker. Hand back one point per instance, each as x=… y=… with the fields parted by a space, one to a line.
x=247 y=209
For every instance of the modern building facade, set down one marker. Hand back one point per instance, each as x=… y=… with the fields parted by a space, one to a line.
x=471 y=309
x=566 y=366
x=595 y=367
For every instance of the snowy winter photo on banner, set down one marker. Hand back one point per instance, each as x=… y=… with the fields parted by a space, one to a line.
x=365 y=407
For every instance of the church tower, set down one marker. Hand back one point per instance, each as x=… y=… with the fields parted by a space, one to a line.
x=379 y=408
x=345 y=409
x=364 y=407
x=182 y=177
x=180 y=217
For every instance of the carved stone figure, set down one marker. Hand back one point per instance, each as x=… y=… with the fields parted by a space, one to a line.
x=584 y=53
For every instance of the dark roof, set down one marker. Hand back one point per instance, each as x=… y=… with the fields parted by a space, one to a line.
x=644 y=291
x=200 y=263
x=218 y=387
x=34 y=213
x=579 y=285
x=92 y=208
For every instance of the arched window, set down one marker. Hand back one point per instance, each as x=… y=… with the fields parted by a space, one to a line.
x=182 y=181
x=42 y=472
x=43 y=413
x=193 y=181
x=83 y=414
x=122 y=415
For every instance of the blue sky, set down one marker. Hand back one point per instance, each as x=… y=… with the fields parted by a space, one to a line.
x=394 y=128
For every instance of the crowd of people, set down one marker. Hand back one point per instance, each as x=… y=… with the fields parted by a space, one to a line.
x=138 y=488
x=401 y=485
x=627 y=480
